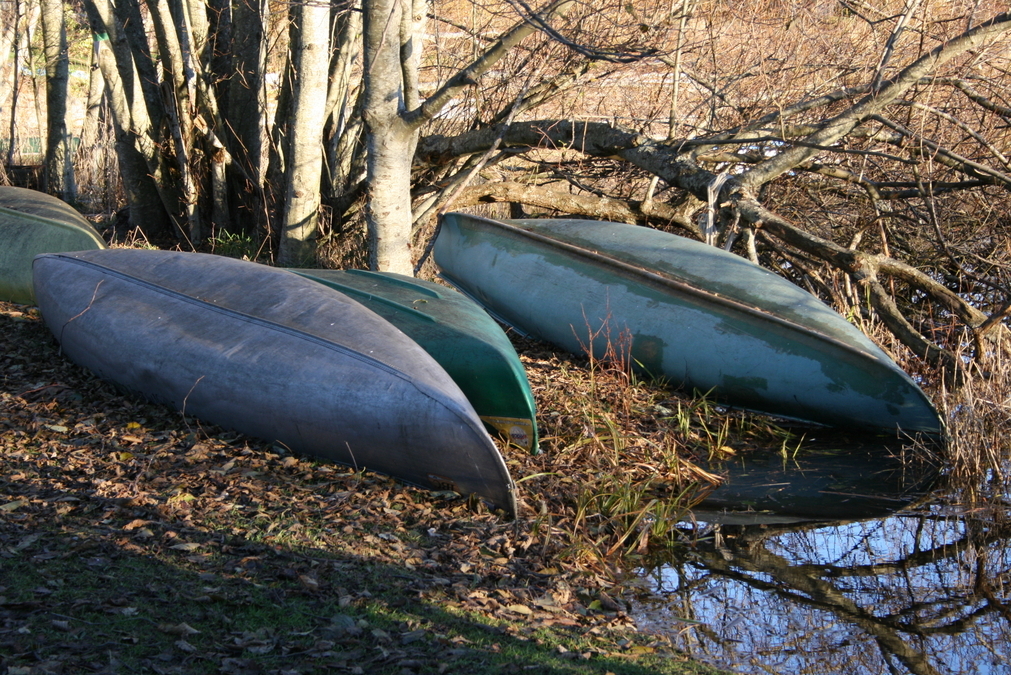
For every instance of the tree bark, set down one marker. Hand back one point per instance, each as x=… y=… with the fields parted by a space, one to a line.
x=245 y=110
x=304 y=167
x=344 y=129
x=58 y=171
x=390 y=139
x=93 y=107
x=138 y=159
x=179 y=104
x=393 y=123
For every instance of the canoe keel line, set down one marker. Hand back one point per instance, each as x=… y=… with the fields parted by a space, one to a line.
x=273 y=355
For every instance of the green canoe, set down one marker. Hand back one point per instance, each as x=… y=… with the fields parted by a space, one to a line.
x=31 y=223
x=459 y=335
x=699 y=316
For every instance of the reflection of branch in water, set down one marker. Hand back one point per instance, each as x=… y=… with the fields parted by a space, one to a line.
x=928 y=592
x=979 y=537
x=819 y=593
x=975 y=539
x=985 y=588
x=745 y=557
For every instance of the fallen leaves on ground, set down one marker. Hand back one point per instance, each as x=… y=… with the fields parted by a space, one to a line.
x=98 y=479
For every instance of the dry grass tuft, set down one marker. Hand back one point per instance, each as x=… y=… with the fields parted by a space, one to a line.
x=620 y=463
x=979 y=426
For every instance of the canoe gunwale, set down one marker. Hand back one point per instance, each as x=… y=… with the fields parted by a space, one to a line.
x=392 y=279
x=459 y=334
x=670 y=282
x=459 y=286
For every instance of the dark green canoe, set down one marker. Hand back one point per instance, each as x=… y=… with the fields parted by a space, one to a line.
x=694 y=314
x=459 y=335
x=31 y=223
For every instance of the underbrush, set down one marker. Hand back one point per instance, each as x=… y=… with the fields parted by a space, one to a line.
x=978 y=412
x=623 y=456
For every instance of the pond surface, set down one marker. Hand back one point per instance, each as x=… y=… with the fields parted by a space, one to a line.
x=926 y=590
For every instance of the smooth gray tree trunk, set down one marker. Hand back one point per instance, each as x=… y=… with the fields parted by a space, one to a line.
x=391 y=141
x=304 y=167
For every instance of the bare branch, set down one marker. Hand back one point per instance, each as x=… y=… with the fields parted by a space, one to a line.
x=602 y=208
x=949 y=157
x=844 y=123
x=976 y=97
x=468 y=76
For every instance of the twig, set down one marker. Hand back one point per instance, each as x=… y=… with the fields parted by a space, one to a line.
x=81 y=313
x=444 y=200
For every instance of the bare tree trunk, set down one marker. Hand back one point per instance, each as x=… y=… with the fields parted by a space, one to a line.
x=58 y=171
x=246 y=111
x=390 y=140
x=8 y=35
x=304 y=167
x=32 y=18
x=138 y=157
x=392 y=51
x=93 y=108
x=344 y=124
x=180 y=103
x=12 y=139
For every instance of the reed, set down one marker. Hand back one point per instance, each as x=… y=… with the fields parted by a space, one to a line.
x=621 y=468
x=978 y=412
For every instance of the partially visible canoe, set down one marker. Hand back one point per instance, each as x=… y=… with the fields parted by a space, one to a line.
x=699 y=316
x=458 y=334
x=270 y=354
x=31 y=223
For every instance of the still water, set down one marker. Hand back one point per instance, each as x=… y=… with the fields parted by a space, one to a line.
x=925 y=590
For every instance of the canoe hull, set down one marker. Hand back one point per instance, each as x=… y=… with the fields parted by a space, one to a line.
x=799 y=359
x=273 y=355
x=31 y=223
x=459 y=335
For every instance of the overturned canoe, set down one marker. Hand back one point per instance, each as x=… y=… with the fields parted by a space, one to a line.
x=270 y=354
x=694 y=314
x=31 y=223
x=459 y=335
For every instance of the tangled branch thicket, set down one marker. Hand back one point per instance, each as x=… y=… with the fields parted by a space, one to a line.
x=861 y=151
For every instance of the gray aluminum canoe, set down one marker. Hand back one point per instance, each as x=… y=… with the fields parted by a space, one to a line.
x=270 y=354
x=701 y=317
x=31 y=223
x=458 y=334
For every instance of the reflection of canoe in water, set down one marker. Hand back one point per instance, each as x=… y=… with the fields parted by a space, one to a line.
x=31 y=223
x=459 y=335
x=271 y=354
x=847 y=479
x=697 y=315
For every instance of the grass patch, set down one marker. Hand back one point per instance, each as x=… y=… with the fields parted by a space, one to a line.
x=236 y=245
x=81 y=601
